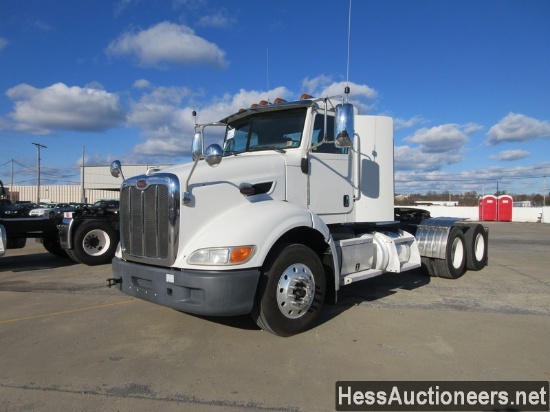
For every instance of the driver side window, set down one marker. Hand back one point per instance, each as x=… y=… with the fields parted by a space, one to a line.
x=318 y=134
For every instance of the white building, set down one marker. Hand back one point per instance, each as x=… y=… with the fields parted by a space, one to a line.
x=436 y=202
x=97 y=183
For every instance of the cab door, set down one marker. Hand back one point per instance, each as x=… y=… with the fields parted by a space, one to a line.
x=330 y=180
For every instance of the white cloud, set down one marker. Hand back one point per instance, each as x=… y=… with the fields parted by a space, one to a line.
x=399 y=123
x=189 y=4
x=323 y=86
x=229 y=104
x=60 y=107
x=313 y=86
x=41 y=25
x=470 y=128
x=168 y=44
x=158 y=109
x=518 y=128
x=167 y=125
x=443 y=138
x=483 y=180
x=408 y=158
x=510 y=155
x=218 y=20
x=120 y=6
x=3 y=42
x=142 y=84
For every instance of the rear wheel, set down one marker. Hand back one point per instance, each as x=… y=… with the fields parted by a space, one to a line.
x=454 y=264
x=52 y=245
x=428 y=266
x=95 y=243
x=16 y=243
x=476 y=239
x=71 y=254
x=291 y=291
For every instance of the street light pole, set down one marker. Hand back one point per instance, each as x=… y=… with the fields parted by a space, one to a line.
x=38 y=146
x=544 y=193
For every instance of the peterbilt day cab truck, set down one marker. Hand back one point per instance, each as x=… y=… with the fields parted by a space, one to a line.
x=298 y=203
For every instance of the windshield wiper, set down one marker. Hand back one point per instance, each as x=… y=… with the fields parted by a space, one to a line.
x=258 y=148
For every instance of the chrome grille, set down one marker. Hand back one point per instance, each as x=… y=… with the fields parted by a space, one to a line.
x=149 y=219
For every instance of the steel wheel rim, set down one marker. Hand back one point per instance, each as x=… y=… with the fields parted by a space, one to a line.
x=96 y=242
x=295 y=291
x=479 y=247
x=457 y=253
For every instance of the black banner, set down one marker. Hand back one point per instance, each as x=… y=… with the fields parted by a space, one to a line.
x=442 y=396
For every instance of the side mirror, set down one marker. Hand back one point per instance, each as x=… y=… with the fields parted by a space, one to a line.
x=343 y=125
x=116 y=169
x=196 y=146
x=213 y=155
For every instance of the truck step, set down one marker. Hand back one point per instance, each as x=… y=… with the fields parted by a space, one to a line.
x=357 y=276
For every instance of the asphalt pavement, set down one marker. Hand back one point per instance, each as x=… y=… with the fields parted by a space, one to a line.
x=70 y=343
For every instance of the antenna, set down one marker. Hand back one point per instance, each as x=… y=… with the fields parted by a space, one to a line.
x=267 y=73
x=347 y=90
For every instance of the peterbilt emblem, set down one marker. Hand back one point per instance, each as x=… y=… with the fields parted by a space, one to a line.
x=141 y=184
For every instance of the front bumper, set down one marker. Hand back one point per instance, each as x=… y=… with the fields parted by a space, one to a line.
x=213 y=293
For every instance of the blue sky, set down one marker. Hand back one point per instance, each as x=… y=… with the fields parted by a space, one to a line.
x=467 y=82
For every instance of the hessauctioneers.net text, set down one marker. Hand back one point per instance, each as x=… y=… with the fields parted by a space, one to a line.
x=441 y=396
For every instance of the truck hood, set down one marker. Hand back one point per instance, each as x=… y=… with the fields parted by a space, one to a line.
x=263 y=172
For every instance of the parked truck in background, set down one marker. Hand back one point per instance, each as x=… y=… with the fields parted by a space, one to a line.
x=297 y=204
x=16 y=229
x=90 y=235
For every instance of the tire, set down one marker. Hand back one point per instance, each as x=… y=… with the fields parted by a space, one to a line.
x=476 y=247
x=95 y=243
x=454 y=264
x=16 y=243
x=71 y=254
x=291 y=291
x=428 y=266
x=53 y=246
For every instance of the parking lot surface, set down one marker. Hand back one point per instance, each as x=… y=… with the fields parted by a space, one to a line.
x=70 y=343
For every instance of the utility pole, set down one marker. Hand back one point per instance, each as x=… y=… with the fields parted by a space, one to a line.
x=38 y=146
x=544 y=193
x=542 y=219
x=83 y=198
x=11 y=185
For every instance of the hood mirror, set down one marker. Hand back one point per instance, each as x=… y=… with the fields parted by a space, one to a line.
x=213 y=155
x=116 y=169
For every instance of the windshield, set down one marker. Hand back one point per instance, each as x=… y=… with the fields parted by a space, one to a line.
x=276 y=130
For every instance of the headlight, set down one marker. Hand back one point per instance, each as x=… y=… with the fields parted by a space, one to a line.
x=222 y=256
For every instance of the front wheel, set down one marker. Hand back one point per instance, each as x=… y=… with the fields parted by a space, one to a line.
x=95 y=243
x=291 y=291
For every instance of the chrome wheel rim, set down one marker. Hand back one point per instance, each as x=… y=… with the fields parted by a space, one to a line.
x=295 y=291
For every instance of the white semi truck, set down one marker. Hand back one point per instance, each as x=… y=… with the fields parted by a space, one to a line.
x=298 y=203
